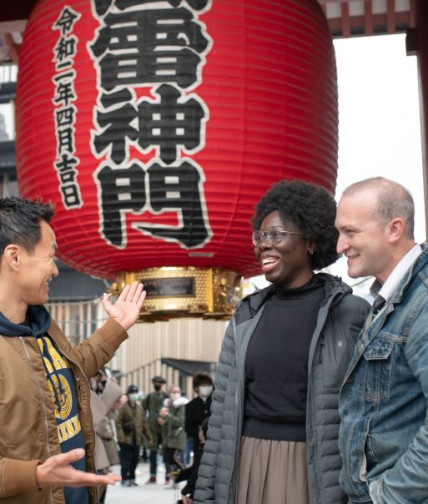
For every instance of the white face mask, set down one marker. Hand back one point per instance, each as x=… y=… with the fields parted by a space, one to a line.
x=175 y=396
x=133 y=397
x=205 y=390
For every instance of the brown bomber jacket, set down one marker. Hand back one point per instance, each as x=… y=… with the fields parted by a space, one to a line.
x=28 y=430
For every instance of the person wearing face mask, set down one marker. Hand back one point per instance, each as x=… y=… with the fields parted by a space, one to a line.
x=131 y=424
x=198 y=409
x=152 y=404
x=171 y=419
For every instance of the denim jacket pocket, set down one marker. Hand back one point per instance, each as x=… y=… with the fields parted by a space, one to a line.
x=353 y=476
x=377 y=369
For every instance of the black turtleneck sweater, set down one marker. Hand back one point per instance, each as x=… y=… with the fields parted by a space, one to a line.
x=277 y=364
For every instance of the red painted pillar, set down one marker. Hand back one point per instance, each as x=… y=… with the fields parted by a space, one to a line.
x=417 y=44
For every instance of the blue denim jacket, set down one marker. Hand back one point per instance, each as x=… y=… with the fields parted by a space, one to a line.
x=384 y=430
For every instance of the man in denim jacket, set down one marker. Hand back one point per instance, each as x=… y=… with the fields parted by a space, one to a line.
x=384 y=430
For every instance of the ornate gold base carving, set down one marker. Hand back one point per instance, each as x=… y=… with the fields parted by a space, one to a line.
x=185 y=291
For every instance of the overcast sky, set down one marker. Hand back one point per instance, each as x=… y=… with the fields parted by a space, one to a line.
x=379 y=124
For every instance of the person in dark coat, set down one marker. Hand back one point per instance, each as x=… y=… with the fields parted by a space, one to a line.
x=152 y=404
x=198 y=409
x=131 y=424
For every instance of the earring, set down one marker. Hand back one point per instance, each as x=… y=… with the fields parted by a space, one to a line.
x=311 y=252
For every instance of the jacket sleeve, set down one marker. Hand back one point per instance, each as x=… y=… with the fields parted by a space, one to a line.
x=205 y=486
x=189 y=423
x=146 y=431
x=407 y=481
x=95 y=351
x=17 y=476
x=177 y=420
x=352 y=313
x=104 y=429
x=120 y=420
x=145 y=403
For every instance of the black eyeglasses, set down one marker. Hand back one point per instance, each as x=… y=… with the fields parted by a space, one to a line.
x=274 y=237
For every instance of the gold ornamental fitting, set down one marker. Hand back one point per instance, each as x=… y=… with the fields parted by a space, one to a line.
x=184 y=291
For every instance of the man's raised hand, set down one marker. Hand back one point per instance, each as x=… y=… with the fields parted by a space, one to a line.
x=127 y=307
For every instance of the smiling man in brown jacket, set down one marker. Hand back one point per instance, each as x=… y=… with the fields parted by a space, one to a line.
x=46 y=435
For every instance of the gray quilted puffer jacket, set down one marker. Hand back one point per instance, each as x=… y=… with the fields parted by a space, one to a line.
x=339 y=321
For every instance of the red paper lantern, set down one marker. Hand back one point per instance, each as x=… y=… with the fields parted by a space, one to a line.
x=155 y=127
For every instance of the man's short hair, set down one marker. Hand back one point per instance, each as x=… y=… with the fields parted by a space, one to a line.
x=393 y=201
x=20 y=222
x=201 y=378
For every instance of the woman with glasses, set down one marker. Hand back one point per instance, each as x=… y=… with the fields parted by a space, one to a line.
x=274 y=426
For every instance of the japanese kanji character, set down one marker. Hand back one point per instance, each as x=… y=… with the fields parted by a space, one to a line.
x=71 y=196
x=65 y=140
x=66 y=20
x=64 y=93
x=65 y=116
x=66 y=163
x=178 y=189
x=65 y=48
x=169 y=123
x=69 y=75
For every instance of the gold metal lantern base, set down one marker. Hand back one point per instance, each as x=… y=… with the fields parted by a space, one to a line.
x=184 y=291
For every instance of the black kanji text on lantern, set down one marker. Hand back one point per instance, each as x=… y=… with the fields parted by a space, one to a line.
x=159 y=47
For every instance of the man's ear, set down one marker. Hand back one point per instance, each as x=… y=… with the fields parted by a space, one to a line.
x=396 y=230
x=12 y=256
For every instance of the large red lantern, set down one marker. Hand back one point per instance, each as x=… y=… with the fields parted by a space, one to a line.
x=155 y=127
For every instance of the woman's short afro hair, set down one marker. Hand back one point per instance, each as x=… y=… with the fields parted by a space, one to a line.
x=311 y=208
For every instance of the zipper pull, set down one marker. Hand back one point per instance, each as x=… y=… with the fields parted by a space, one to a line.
x=321 y=349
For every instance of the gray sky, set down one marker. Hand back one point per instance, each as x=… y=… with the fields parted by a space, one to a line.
x=379 y=124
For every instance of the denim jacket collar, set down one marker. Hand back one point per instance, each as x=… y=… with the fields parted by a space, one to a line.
x=416 y=268
x=372 y=327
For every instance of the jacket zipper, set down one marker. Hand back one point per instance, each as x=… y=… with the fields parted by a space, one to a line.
x=239 y=402
x=43 y=405
x=309 y=410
